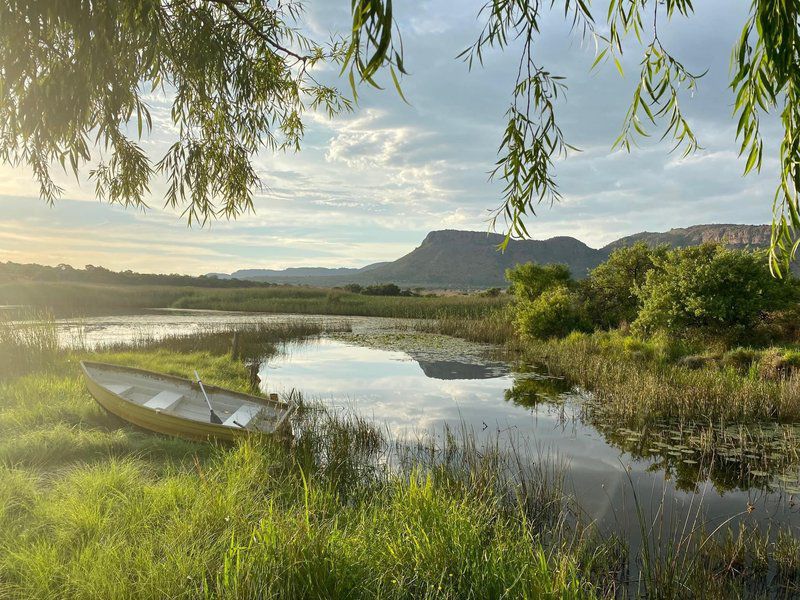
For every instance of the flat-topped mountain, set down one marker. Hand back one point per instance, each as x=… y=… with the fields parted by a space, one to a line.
x=470 y=259
x=452 y=258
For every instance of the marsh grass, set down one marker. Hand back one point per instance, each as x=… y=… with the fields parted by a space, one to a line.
x=494 y=327
x=254 y=341
x=27 y=343
x=632 y=387
x=301 y=300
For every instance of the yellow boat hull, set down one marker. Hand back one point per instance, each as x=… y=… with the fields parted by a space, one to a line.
x=161 y=422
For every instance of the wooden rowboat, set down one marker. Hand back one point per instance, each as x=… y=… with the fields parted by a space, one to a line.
x=176 y=406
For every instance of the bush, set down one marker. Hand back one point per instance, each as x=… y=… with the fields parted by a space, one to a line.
x=610 y=290
x=528 y=281
x=556 y=312
x=353 y=288
x=710 y=290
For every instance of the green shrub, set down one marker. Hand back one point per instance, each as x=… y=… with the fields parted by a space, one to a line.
x=610 y=290
x=554 y=313
x=711 y=290
x=778 y=363
x=528 y=281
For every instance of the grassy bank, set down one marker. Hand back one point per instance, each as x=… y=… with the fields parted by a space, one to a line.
x=636 y=382
x=76 y=299
x=93 y=508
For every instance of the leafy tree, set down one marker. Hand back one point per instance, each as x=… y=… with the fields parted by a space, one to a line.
x=529 y=280
x=610 y=291
x=711 y=289
x=556 y=312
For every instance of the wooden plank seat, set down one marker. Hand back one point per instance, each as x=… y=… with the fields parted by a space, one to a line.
x=164 y=400
x=120 y=389
x=243 y=415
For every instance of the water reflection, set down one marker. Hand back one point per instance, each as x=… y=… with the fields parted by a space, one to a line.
x=606 y=463
x=451 y=369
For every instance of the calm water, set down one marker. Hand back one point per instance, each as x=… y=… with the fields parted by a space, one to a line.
x=417 y=390
x=415 y=396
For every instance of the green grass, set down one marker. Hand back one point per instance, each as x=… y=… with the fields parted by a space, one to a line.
x=93 y=508
x=337 y=302
x=636 y=382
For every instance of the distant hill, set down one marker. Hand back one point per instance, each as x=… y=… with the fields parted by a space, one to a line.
x=470 y=259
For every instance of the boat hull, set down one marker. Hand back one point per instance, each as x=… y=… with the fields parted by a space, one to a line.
x=168 y=424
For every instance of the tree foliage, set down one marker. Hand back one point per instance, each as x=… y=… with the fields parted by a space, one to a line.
x=556 y=312
x=76 y=79
x=710 y=289
x=611 y=289
x=529 y=280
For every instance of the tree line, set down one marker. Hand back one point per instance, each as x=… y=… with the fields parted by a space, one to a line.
x=706 y=291
x=11 y=272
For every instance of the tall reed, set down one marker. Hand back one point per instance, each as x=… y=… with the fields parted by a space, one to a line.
x=28 y=341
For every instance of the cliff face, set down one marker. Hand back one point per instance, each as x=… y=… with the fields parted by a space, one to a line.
x=469 y=259
x=733 y=236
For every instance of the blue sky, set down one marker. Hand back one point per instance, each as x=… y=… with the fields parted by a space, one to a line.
x=369 y=185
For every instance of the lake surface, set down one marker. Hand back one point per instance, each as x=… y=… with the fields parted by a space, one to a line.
x=416 y=384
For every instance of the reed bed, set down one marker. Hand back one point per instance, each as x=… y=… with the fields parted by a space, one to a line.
x=633 y=388
x=28 y=343
x=322 y=301
x=494 y=327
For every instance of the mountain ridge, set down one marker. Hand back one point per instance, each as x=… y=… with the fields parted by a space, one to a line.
x=451 y=258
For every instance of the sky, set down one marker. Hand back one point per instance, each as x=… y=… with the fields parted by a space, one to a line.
x=367 y=186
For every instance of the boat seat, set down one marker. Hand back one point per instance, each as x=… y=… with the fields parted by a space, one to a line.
x=164 y=400
x=119 y=389
x=243 y=415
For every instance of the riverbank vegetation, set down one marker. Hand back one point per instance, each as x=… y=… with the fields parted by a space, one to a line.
x=702 y=333
x=91 y=507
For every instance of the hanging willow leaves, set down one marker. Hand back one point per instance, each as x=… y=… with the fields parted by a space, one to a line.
x=76 y=77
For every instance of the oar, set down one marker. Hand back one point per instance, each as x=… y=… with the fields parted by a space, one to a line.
x=214 y=417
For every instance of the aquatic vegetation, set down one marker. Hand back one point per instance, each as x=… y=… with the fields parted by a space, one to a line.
x=635 y=387
x=764 y=456
x=72 y=299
